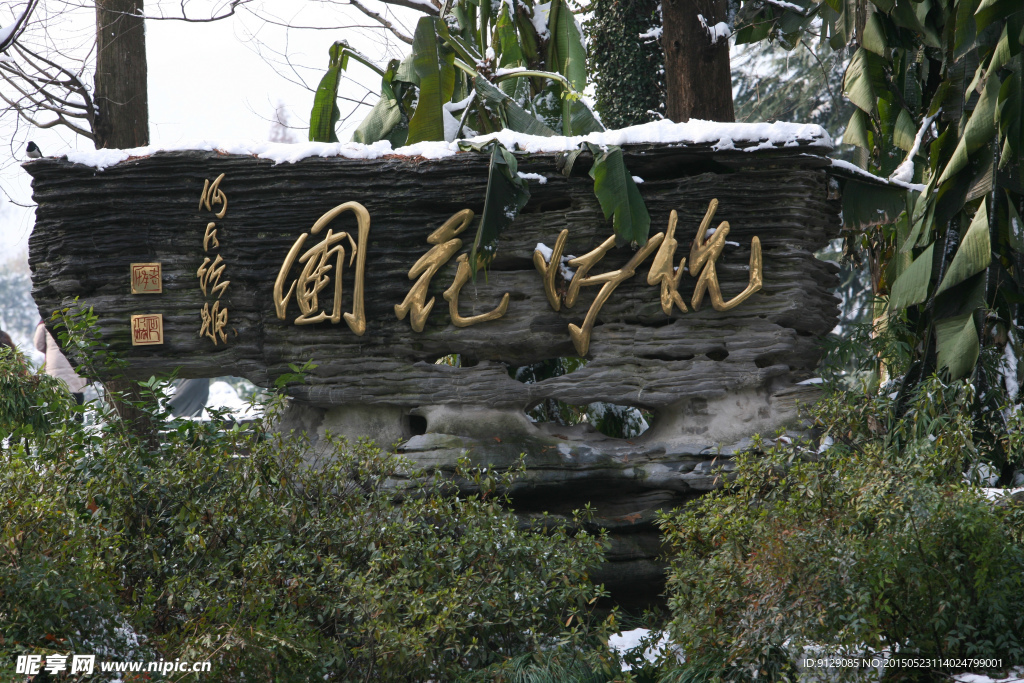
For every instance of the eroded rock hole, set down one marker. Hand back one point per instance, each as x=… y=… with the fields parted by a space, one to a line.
x=717 y=354
x=417 y=424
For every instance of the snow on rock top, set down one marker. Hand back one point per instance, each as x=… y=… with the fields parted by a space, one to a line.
x=747 y=137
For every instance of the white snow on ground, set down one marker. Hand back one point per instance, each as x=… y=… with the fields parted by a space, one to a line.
x=995 y=494
x=224 y=397
x=725 y=136
x=619 y=643
x=534 y=176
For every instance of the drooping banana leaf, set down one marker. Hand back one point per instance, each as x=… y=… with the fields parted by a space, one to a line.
x=325 y=114
x=511 y=55
x=434 y=63
x=956 y=340
x=979 y=130
x=865 y=80
x=507 y=194
x=567 y=54
x=974 y=253
x=386 y=115
x=911 y=287
x=618 y=195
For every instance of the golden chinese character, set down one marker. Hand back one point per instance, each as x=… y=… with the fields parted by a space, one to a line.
x=210 y=273
x=703 y=255
x=146 y=278
x=446 y=245
x=663 y=270
x=210 y=236
x=462 y=276
x=548 y=268
x=147 y=330
x=214 y=321
x=213 y=195
x=611 y=280
x=315 y=274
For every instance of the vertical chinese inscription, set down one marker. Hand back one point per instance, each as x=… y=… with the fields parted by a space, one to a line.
x=214 y=318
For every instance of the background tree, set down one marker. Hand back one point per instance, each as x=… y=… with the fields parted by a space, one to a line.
x=698 y=82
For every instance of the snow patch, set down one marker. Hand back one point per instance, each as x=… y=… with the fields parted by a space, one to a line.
x=540 y=179
x=637 y=179
x=540 y=19
x=747 y=137
x=856 y=170
x=654 y=33
x=718 y=32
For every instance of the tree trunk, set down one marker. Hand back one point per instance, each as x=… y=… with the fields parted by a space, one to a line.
x=697 y=76
x=121 y=96
x=122 y=121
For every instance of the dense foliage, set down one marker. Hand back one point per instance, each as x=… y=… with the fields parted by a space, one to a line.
x=873 y=537
x=626 y=61
x=272 y=558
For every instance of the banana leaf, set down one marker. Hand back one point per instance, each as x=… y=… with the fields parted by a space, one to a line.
x=619 y=196
x=506 y=195
x=974 y=253
x=956 y=340
x=434 y=63
x=911 y=287
x=569 y=57
x=325 y=114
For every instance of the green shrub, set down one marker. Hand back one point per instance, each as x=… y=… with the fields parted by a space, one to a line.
x=276 y=560
x=870 y=542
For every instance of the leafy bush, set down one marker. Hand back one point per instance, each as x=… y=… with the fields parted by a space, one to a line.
x=272 y=559
x=872 y=541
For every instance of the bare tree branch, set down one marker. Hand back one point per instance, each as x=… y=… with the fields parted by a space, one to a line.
x=19 y=27
x=383 y=22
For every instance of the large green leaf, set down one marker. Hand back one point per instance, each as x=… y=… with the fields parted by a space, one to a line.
x=857 y=130
x=992 y=10
x=904 y=132
x=911 y=287
x=980 y=129
x=974 y=253
x=956 y=340
x=569 y=56
x=618 y=195
x=865 y=79
x=511 y=54
x=385 y=115
x=434 y=63
x=581 y=118
x=506 y=195
x=325 y=114
x=515 y=117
